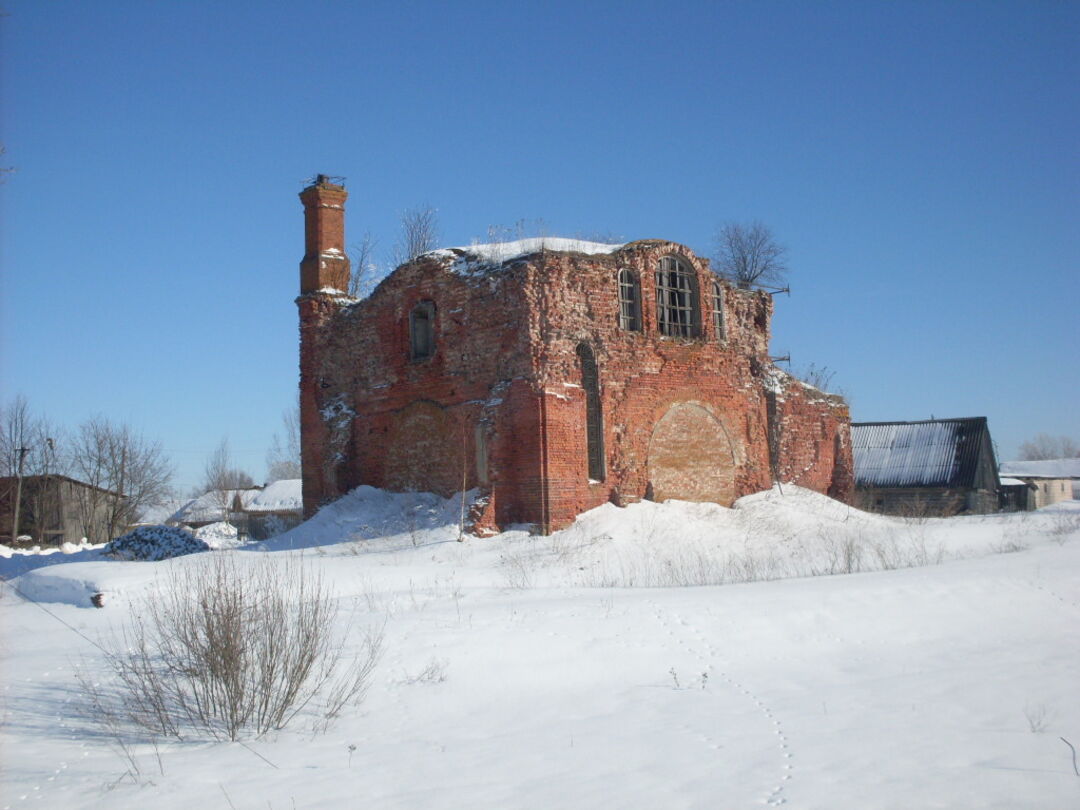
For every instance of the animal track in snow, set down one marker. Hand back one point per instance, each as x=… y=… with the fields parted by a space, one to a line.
x=705 y=652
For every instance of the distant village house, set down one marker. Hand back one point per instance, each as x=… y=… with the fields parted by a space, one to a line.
x=1052 y=480
x=257 y=513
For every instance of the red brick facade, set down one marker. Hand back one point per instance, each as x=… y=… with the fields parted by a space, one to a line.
x=505 y=399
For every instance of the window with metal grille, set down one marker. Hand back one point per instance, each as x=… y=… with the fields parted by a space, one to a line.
x=422 y=331
x=718 y=310
x=676 y=299
x=594 y=418
x=629 y=301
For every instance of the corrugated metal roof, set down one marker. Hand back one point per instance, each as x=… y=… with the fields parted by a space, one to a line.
x=933 y=453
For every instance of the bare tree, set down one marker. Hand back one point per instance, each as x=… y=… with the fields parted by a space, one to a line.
x=419 y=234
x=222 y=479
x=29 y=447
x=125 y=471
x=749 y=254
x=283 y=458
x=366 y=272
x=1045 y=446
x=20 y=427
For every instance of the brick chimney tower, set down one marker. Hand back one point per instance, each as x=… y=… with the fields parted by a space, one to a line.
x=324 y=287
x=325 y=265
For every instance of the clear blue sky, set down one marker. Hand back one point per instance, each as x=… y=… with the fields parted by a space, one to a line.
x=920 y=160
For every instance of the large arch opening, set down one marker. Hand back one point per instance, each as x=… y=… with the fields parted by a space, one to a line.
x=691 y=457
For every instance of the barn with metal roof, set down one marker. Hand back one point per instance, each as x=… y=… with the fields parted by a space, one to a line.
x=933 y=467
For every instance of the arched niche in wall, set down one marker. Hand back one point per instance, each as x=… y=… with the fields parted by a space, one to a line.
x=691 y=457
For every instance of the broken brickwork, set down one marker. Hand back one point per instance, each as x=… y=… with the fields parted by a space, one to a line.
x=515 y=370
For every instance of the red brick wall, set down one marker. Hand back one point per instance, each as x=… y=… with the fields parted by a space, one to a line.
x=417 y=423
x=812 y=431
x=682 y=417
x=657 y=392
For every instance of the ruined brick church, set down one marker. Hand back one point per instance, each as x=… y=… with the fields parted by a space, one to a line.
x=552 y=376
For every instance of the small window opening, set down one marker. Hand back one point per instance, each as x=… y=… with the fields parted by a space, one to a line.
x=676 y=299
x=718 y=310
x=422 y=331
x=481 y=454
x=594 y=418
x=629 y=301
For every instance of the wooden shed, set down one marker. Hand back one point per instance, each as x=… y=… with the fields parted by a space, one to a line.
x=936 y=467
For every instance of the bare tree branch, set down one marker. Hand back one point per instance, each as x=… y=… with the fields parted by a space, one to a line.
x=366 y=273
x=419 y=234
x=20 y=427
x=29 y=446
x=283 y=458
x=749 y=254
x=222 y=479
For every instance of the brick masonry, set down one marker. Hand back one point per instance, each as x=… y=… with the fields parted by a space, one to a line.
x=500 y=405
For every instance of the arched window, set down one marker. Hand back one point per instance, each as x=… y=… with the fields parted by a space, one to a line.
x=594 y=418
x=629 y=301
x=718 y=310
x=422 y=331
x=676 y=299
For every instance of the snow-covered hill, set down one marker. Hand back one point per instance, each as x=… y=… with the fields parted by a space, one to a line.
x=581 y=671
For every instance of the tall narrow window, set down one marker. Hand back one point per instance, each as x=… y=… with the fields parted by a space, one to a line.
x=594 y=419
x=629 y=301
x=718 y=310
x=676 y=299
x=422 y=331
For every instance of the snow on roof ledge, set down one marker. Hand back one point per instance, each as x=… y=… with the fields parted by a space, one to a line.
x=501 y=252
x=279 y=496
x=1044 y=468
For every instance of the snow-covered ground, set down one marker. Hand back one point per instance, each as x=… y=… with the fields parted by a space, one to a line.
x=659 y=656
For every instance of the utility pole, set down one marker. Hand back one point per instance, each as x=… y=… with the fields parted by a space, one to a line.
x=22 y=451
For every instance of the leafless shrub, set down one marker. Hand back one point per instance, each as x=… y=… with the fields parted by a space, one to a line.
x=887 y=552
x=818 y=376
x=433 y=672
x=1064 y=526
x=842 y=554
x=1038 y=717
x=905 y=549
x=518 y=568
x=106 y=715
x=224 y=651
x=751 y=567
x=419 y=234
x=1009 y=545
